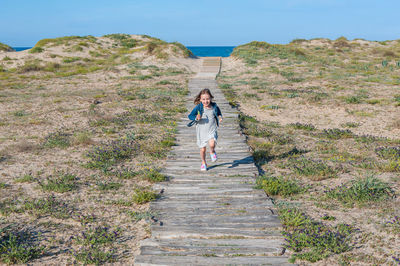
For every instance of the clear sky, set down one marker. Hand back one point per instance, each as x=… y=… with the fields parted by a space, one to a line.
x=200 y=22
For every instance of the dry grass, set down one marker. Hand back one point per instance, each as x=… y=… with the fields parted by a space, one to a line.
x=325 y=119
x=62 y=107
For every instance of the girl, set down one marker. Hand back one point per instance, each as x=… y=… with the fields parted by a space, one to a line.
x=207 y=114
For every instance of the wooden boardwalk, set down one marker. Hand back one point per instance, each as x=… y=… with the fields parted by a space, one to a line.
x=214 y=217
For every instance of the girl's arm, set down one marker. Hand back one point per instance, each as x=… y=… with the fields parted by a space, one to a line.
x=193 y=114
x=219 y=114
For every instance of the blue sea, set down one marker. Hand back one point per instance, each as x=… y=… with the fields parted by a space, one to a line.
x=223 y=51
x=21 y=48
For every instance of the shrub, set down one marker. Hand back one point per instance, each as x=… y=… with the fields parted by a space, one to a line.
x=36 y=49
x=60 y=182
x=107 y=185
x=153 y=175
x=94 y=255
x=278 y=186
x=111 y=153
x=5 y=48
x=59 y=139
x=362 y=191
x=316 y=170
x=48 y=206
x=93 y=243
x=310 y=240
x=17 y=247
x=99 y=235
x=388 y=152
x=335 y=133
x=143 y=196
x=353 y=99
x=299 y=125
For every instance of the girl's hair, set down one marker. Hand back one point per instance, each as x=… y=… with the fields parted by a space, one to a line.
x=203 y=91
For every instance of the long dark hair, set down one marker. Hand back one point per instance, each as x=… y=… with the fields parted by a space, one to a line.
x=203 y=91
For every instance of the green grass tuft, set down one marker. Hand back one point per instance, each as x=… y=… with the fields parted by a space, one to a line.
x=361 y=192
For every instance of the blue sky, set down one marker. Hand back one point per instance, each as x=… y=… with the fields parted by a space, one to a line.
x=200 y=22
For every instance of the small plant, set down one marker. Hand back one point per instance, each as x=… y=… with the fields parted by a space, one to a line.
x=137 y=216
x=60 y=182
x=110 y=153
x=278 y=186
x=327 y=217
x=394 y=224
x=316 y=170
x=299 y=125
x=17 y=247
x=36 y=50
x=153 y=175
x=350 y=124
x=126 y=174
x=99 y=235
x=28 y=178
x=96 y=245
x=59 y=139
x=106 y=185
x=94 y=255
x=360 y=192
x=336 y=133
x=353 y=99
x=143 y=196
x=310 y=240
x=48 y=206
x=19 y=113
x=388 y=152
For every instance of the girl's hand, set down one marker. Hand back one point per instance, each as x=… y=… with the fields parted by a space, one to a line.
x=198 y=117
x=220 y=119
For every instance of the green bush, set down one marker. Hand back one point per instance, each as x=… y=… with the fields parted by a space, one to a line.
x=143 y=195
x=361 y=191
x=36 y=50
x=5 y=48
x=59 y=139
x=312 y=241
x=278 y=186
x=336 y=133
x=47 y=206
x=153 y=176
x=316 y=170
x=299 y=125
x=17 y=247
x=110 y=153
x=60 y=182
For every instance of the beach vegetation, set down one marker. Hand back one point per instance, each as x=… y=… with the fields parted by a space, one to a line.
x=5 y=48
x=279 y=186
x=18 y=246
x=144 y=195
x=312 y=241
x=63 y=41
x=362 y=191
x=60 y=182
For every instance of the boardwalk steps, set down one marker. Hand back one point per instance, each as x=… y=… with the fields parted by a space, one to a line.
x=215 y=217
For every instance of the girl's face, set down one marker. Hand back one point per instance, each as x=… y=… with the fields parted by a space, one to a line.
x=205 y=99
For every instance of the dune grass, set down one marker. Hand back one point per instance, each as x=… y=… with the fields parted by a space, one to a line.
x=313 y=113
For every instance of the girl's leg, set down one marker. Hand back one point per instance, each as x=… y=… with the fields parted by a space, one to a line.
x=211 y=142
x=203 y=155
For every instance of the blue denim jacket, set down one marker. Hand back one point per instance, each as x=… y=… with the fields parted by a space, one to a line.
x=200 y=108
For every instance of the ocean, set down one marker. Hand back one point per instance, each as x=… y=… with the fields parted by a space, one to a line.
x=223 y=51
x=21 y=48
